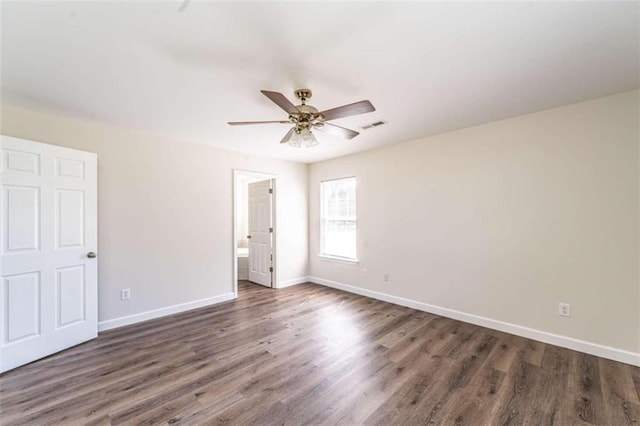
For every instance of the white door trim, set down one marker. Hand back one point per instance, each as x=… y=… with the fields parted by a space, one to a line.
x=234 y=240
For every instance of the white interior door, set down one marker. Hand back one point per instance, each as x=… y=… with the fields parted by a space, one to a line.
x=48 y=209
x=260 y=231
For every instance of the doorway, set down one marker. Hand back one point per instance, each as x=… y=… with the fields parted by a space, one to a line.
x=254 y=228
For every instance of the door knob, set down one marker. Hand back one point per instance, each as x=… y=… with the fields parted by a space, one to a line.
x=248 y=236
x=91 y=255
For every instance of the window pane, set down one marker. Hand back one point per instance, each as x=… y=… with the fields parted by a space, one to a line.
x=338 y=218
x=340 y=238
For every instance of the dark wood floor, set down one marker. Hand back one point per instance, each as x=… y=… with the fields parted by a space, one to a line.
x=314 y=355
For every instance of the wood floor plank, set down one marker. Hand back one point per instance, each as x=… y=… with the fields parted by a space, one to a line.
x=350 y=408
x=514 y=404
x=531 y=351
x=620 y=396
x=400 y=407
x=590 y=403
x=314 y=355
x=434 y=332
x=556 y=366
x=461 y=381
x=505 y=353
x=481 y=398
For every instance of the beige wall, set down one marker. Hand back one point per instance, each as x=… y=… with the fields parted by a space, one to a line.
x=505 y=220
x=165 y=211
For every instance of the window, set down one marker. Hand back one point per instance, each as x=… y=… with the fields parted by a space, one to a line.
x=338 y=218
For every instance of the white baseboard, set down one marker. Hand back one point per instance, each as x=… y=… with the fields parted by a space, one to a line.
x=295 y=281
x=156 y=313
x=555 y=339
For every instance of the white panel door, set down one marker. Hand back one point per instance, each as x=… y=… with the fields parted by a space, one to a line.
x=49 y=279
x=260 y=246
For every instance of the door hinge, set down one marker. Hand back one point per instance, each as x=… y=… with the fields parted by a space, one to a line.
x=271 y=230
x=270 y=268
x=270 y=190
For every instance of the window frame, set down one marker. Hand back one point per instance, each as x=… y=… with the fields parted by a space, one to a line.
x=323 y=221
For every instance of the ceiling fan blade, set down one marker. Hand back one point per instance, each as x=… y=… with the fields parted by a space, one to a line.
x=348 y=110
x=280 y=100
x=332 y=129
x=288 y=135
x=244 y=123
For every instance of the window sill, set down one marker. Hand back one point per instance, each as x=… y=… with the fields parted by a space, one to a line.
x=336 y=259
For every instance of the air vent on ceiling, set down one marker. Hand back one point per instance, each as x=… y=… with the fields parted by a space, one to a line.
x=376 y=124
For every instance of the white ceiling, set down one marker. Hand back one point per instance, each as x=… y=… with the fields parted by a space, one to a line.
x=428 y=68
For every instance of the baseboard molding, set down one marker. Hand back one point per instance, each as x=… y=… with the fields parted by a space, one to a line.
x=295 y=281
x=608 y=352
x=157 y=313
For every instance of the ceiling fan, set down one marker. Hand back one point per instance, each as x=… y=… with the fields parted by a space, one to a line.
x=305 y=117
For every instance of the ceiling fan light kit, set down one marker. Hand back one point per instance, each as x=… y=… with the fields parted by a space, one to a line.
x=302 y=139
x=306 y=117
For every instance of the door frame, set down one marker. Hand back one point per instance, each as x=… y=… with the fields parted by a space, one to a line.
x=234 y=241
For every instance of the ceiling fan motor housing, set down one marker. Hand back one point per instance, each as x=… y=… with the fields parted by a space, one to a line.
x=306 y=116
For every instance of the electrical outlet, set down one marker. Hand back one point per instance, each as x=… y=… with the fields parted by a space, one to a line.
x=364 y=272
x=125 y=294
x=386 y=276
x=564 y=309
